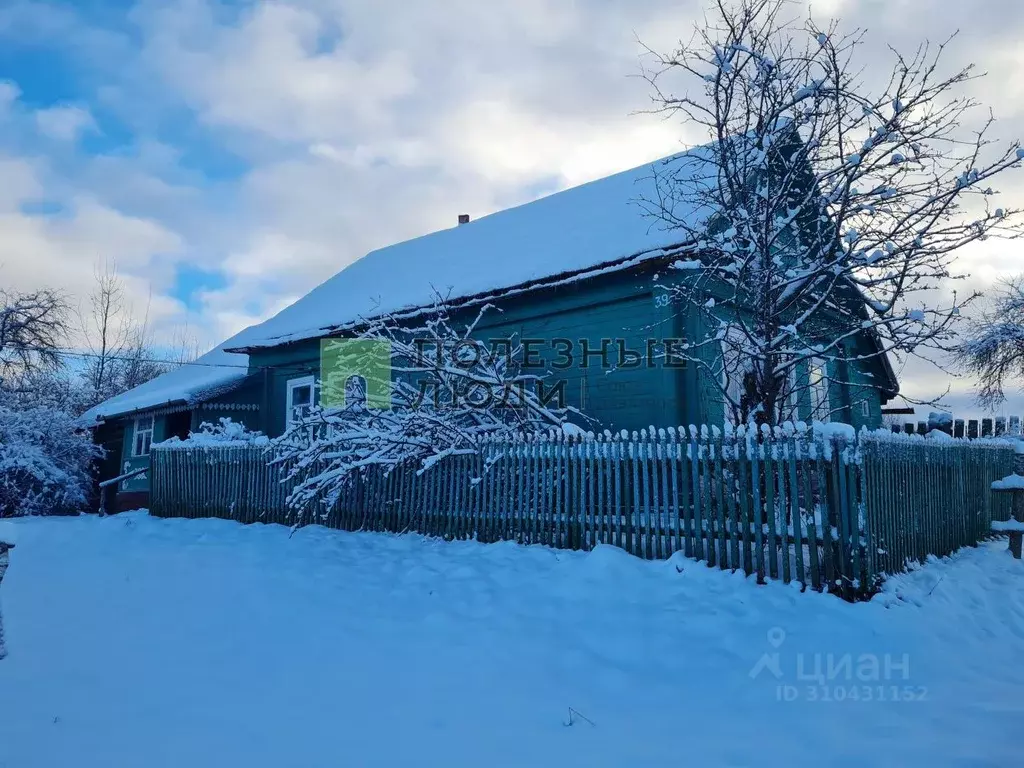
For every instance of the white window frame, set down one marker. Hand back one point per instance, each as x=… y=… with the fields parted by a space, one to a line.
x=293 y=384
x=138 y=431
x=733 y=371
x=792 y=399
x=821 y=406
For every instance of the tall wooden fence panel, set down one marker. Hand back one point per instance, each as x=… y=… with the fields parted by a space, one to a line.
x=824 y=509
x=929 y=497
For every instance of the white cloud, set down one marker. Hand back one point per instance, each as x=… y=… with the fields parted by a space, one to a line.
x=60 y=251
x=365 y=122
x=9 y=93
x=64 y=123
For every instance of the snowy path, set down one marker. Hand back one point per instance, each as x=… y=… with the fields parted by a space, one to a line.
x=143 y=642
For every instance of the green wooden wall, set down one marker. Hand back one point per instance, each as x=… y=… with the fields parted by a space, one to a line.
x=130 y=462
x=622 y=305
x=616 y=307
x=250 y=393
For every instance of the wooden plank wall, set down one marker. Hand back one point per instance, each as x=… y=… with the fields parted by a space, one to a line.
x=827 y=511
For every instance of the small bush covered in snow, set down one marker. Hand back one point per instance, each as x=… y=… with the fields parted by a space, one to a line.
x=45 y=462
x=224 y=432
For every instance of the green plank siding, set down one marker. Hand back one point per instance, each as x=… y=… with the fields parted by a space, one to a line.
x=130 y=462
x=210 y=411
x=615 y=397
x=620 y=305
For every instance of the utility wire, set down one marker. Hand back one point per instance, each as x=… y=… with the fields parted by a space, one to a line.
x=64 y=352
x=95 y=355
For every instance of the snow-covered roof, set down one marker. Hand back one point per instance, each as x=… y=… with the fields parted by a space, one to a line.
x=215 y=372
x=572 y=231
x=579 y=229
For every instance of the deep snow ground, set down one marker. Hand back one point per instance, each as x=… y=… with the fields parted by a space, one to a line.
x=142 y=642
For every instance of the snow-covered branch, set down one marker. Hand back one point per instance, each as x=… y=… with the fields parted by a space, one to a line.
x=993 y=349
x=446 y=394
x=45 y=460
x=33 y=331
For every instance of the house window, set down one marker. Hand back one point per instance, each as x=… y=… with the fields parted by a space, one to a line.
x=732 y=372
x=355 y=392
x=300 y=400
x=143 y=436
x=818 y=383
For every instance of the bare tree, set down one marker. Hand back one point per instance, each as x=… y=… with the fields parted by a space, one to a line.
x=139 y=362
x=106 y=327
x=184 y=346
x=121 y=352
x=993 y=347
x=425 y=393
x=33 y=332
x=834 y=209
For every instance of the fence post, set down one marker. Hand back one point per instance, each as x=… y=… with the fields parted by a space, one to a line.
x=5 y=549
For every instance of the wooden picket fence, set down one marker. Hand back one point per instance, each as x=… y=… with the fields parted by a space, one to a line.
x=826 y=510
x=998 y=426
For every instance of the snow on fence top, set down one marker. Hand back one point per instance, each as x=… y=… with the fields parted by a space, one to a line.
x=579 y=229
x=1009 y=483
x=1008 y=526
x=225 y=433
x=800 y=440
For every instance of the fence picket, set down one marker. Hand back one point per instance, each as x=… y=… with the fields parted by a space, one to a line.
x=810 y=451
x=672 y=463
x=794 y=494
x=756 y=475
x=722 y=537
x=731 y=490
x=745 y=516
x=781 y=511
x=698 y=498
x=769 y=505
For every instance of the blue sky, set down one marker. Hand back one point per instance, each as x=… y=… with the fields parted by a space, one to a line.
x=229 y=156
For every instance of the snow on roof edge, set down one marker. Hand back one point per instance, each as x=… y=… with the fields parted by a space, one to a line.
x=671 y=251
x=571 y=231
x=215 y=373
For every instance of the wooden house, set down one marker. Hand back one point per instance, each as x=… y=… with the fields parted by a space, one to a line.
x=583 y=265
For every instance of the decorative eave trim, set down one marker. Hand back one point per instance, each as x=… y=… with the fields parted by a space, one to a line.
x=229 y=406
x=159 y=411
